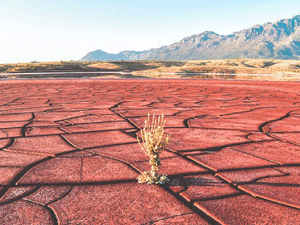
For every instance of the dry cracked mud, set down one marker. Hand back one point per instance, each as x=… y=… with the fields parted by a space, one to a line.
x=69 y=153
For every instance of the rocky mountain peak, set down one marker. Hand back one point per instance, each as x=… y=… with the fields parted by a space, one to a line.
x=280 y=40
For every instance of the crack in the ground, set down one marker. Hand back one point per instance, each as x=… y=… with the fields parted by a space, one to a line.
x=11 y=142
x=7 y=136
x=218 y=148
x=61 y=197
x=6 y=104
x=49 y=209
x=269 y=199
x=228 y=106
x=247 y=153
x=24 y=129
x=166 y=218
x=283 y=140
x=262 y=127
x=216 y=198
x=74 y=117
x=69 y=142
x=246 y=111
x=118 y=160
x=22 y=109
x=62 y=129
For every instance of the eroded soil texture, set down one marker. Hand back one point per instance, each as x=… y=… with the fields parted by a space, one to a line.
x=69 y=152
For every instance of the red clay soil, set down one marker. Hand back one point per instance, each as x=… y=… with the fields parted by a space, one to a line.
x=69 y=153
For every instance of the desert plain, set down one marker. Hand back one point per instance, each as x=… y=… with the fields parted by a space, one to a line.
x=69 y=152
x=234 y=69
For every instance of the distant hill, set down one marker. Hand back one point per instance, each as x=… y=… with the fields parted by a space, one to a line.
x=278 y=40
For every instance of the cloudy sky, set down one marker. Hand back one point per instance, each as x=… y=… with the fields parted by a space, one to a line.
x=41 y=30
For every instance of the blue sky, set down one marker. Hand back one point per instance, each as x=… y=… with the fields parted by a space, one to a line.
x=67 y=29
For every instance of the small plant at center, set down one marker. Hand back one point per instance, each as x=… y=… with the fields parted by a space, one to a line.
x=154 y=142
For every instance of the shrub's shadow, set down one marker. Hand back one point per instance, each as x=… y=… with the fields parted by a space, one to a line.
x=194 y=181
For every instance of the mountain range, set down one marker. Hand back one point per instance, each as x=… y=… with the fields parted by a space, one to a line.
x=277 y=40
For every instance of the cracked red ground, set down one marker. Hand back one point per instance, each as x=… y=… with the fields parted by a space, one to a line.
x=69 y=153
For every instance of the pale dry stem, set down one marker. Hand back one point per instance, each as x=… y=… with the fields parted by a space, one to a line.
x=154 y=141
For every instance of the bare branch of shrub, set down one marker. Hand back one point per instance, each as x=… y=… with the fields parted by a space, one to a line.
x=154 y=142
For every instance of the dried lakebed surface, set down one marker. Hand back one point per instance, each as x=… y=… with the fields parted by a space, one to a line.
x=69 y=154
